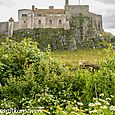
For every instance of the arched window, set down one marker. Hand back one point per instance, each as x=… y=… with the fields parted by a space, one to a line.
x=50 y=22
x=39 y=21
x=60 y=22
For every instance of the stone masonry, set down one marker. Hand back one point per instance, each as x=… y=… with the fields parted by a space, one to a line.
x=50 y=18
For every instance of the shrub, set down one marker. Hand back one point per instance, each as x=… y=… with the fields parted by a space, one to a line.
x=24 y=70
x=30 y=78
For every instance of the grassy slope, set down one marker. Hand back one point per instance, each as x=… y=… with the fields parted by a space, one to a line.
x=73 y=57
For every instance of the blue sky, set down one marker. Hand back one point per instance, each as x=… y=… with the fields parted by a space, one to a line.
x=9 y=8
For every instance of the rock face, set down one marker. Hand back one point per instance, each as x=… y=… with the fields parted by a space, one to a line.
x=58 y=39
x=57 y=18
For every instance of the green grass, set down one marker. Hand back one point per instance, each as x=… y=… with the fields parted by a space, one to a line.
x=73 y=57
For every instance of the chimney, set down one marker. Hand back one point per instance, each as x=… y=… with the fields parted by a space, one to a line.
x=33 y=8
x=66 y=2
x=51 y=7
x=11 y=20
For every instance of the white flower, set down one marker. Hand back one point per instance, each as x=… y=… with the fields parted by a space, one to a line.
x=85 y=109
x=111 y=96
x=112 y=108
x=41 y=107
x=80 y=104
x=91 y=104
x=95 y=99
x=108 y=99
x=103 y=107
x=98 y=103
x=101 y=95
x=94 y=111
x=102 y=100
x=107 y=103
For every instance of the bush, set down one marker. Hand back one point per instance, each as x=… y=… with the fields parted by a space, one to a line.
x=30 y=78
x=24 y=70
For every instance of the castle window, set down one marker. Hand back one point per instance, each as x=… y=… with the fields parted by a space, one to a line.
x=24 y=15
x=60 y=22
x=50 y=12
x=50 y=21
x=39 y=14
x=39 y=21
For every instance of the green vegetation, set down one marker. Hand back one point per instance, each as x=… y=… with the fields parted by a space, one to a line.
x=60 y=39
x=72 y=58
x=35 y=80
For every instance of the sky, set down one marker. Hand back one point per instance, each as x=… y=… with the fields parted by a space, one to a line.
x=9 y=8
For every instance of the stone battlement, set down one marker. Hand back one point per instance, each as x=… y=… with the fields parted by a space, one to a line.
x=51 y=18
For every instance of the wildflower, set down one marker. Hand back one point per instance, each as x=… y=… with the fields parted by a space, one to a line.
x=108 y=99
x=112 y=108
x=98 y=103
x=107 y=103
x=80 y=104
x=91 y=104
x=72 y=112
x=101 y=95
x=75 y=109
x=40 y=108
x=111 y=96
x=103 y=107
x=94 y=111
x=102 y=100
x=95 y=99
x=64 y=112
x=85 y=110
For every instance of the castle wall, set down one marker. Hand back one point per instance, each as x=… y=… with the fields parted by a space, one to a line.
x=50 y=21
x=96 y=21
x=25 y=18
x=53 y=18
x=74 y=10
x=16 y=25
x=39 y=22
x=55 y=21
x=51 y=10
x=31 y=20
x=3 y=27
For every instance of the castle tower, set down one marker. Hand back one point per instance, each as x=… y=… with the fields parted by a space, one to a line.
x=66 y=9
x=66 y=5
x=10 y=27
x=66 y=2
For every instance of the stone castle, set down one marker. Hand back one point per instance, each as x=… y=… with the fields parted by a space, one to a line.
x=51 y=18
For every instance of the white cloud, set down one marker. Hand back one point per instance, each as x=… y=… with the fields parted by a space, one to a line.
x=107 y=1
x=112 y=31
x=6 y=3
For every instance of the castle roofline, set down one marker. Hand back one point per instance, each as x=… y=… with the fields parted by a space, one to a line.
x=48 y=9
x=24 y=9
x=11 y=19
x=95 y=14
x=80 y=5
x=4 y=22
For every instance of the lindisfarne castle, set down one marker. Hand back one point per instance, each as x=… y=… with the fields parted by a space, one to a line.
x=53 y=18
